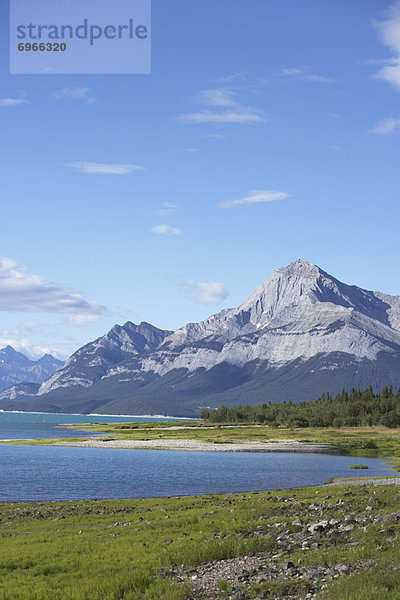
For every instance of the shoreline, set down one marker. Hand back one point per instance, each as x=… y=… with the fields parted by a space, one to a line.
x=30 y=412
x=199 y=446
x=299 y=540
x=329 y=483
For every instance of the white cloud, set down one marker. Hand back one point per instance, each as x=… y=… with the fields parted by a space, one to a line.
x=169 y=208
x=256 y=197
x=389 y=31
x=75 y=93
x=242 y=117
x=166 y=229
x=32 y=351
x=204 y=292
x=390 y=73
x=79 y=320
x=13 y=101
x=21 y=291
x=387 y=126
x=94 y=168
x=26 y=328
x=304 y=74
x=218 y=97
x=229 y=109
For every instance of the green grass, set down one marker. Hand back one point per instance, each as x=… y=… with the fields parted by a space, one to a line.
x=373 y=584
x=108 y=550
x=376 y=442
x=40 y=442
x=363 y=440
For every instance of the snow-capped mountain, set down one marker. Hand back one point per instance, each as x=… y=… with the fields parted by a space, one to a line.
x=300 y=333
x=15 y=368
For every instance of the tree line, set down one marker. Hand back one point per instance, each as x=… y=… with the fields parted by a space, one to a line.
x=356 y=408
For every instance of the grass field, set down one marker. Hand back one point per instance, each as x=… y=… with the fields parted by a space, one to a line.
x=385 y=439
x=113 y=550
x=378 y=442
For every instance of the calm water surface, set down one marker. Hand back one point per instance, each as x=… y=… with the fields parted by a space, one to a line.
x=46 y=425
x=56 y=473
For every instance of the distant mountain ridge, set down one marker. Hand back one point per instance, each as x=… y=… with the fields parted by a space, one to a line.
x=16 y=368
x=94 y=360
x=300 y=333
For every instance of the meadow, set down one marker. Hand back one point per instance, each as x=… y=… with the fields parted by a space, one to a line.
x=148 y=549
x=121 y=549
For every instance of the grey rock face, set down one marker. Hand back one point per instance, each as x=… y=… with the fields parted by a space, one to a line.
x=298 y=312
x=300 y=333
x=91 y=362
x=15 y=368
x=20 y=390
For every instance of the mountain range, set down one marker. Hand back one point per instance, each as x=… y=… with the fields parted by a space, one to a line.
x=15 y=367
x=300 y=333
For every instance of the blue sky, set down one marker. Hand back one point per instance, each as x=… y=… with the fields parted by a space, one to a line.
x=267 y=131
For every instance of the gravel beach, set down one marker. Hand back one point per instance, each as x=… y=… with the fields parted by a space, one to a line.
x=198 y=446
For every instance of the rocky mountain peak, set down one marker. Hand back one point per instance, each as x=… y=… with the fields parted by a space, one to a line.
x=302 y=331
x=300 y=267
x=302 y=287
x=9 y=350
x=15 y=367
x=289 y=288
x=91 y=362
x=14 y=357
x=49 y=358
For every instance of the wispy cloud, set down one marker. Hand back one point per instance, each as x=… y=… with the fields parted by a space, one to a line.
x=241 y=117
x=80 y=320
x=218 y=97
x=387 y=126
x=21 y=291
x=166 y=229
x=304 y=74
x=225 y=109
x=168 y=209
x=244 y=80
x=204 y=292
x=389 y=31
x=74 y=93
x=338 y=148
x=27 y=328
x=13 y=101
x=255 y=197
x=21 y=339
x=95 y=168
x=32 y=351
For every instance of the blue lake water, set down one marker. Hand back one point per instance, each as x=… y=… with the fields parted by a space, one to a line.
x=21 y=425
x=30 y=473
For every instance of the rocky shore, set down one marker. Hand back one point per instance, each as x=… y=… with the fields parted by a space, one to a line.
x=200 y=446
x=299 y=526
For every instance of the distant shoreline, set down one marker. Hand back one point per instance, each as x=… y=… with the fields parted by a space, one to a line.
x=30 y=412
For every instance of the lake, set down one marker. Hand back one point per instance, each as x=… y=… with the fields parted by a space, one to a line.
x=29 y=473
x=22 y=425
